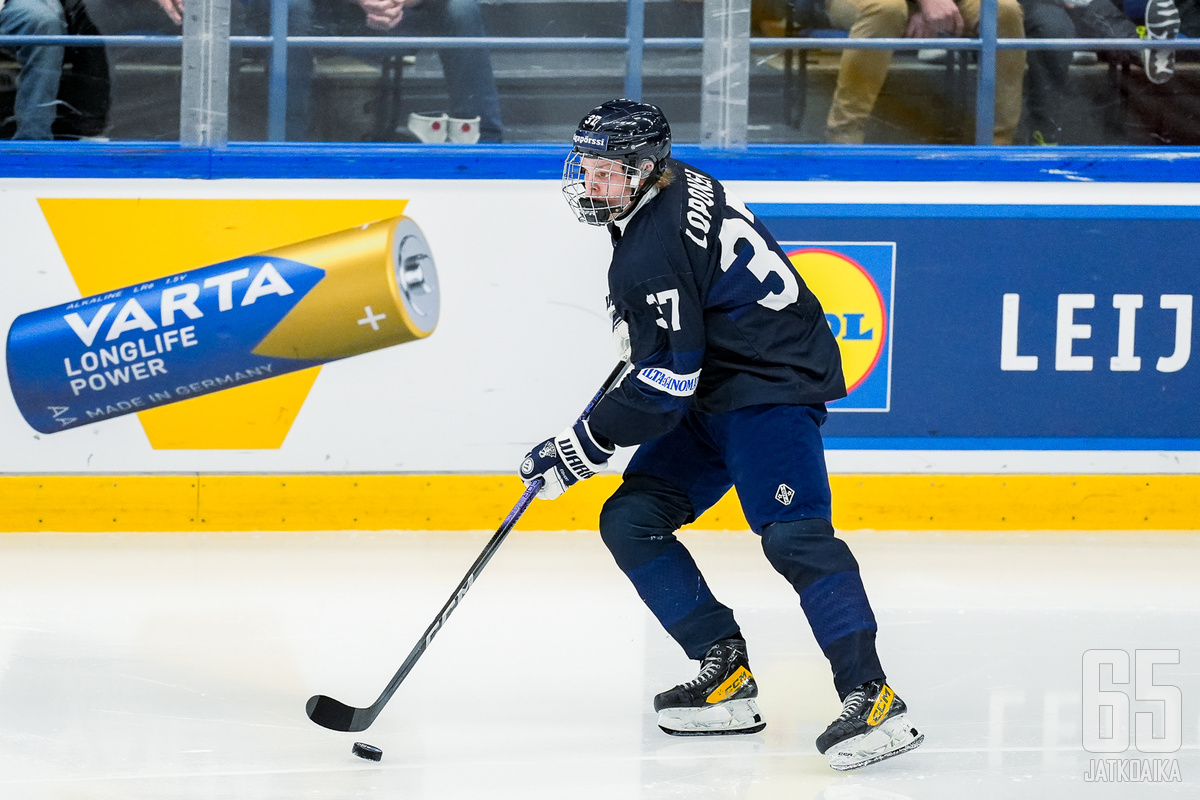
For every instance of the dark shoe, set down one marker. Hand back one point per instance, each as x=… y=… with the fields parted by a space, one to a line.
x=1162 y=22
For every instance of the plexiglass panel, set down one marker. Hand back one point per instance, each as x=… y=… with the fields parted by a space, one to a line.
x=336 y=89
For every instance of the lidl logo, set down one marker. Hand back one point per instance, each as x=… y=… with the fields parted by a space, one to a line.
x=854 y=283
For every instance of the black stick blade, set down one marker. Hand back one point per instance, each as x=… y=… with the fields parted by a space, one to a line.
x=335 y=715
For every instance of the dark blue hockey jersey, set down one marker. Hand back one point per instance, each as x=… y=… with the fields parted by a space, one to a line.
x=718 y=317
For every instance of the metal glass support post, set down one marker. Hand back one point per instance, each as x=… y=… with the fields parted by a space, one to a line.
x=204 y=99
x=635 y=34
x=725 y=66
x=985 y=92
x=277 y=87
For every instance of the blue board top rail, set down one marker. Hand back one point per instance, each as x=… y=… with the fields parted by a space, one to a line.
x=543 y=161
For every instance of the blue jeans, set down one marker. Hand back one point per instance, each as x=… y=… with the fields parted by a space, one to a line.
x=41 y=65
x=253 y=18
x=468 y=72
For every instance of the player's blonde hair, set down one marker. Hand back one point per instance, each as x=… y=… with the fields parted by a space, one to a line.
x=665 y=177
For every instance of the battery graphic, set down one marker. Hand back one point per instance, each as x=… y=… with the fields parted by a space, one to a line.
x=223 y=325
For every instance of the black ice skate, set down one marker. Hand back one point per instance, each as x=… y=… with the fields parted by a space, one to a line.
x=872 y=726
x=720 y=700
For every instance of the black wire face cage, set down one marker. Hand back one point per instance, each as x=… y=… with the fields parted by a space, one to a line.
x=614 y=185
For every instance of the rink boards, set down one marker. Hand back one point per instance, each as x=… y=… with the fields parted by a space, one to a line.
x=1018 y=334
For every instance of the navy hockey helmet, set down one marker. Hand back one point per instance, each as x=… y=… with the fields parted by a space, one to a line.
x=620 y=149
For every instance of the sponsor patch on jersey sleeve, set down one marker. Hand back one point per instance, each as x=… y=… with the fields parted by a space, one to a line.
x=670 y=382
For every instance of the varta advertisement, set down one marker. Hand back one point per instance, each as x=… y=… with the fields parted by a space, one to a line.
x=148 y=330
x=224 y=325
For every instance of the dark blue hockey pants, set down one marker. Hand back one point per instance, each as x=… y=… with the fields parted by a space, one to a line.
x=774 y=456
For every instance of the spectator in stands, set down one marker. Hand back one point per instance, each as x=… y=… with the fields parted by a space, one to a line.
x=862 y=72
x=1100 y=19
x=1090 y=19
x=36 y=103
x=253 y=17
x=468 y=71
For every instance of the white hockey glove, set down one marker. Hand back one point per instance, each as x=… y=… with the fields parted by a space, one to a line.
x=620 y=337
x=564 y=460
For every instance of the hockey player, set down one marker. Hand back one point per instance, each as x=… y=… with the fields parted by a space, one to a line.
x=732 y=363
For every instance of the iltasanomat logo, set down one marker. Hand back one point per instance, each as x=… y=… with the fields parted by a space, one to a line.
x=598 y=141
x=1118 y=690
x=672 y=383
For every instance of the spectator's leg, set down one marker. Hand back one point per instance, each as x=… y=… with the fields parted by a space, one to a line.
x=1135 y=9
x=253 y=18
x=299 y=72
x=1049 y=70
x=1102 y=19
x=36 y=103
x=1010 y=64
x=862 y=72
x=469 y=79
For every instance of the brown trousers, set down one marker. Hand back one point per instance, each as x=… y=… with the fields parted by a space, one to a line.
x=862 y=72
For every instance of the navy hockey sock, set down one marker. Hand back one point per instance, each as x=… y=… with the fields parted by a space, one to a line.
x=825 y=574
x=638 y=526
x=673 y=589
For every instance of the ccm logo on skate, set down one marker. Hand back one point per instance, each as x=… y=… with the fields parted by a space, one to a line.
x=883 y=704
x=727 y=689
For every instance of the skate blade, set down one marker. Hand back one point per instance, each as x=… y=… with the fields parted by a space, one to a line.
x=895 y=736
x=730 y=717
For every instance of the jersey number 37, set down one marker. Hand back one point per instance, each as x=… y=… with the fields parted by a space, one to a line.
x=743 y=245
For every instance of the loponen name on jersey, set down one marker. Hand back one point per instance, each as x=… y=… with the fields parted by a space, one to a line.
x=700 y=201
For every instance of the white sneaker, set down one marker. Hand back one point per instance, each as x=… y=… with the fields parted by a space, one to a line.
x=429 y=126
x=463 y=130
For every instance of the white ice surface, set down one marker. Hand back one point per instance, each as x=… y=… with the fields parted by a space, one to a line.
x=177 y=666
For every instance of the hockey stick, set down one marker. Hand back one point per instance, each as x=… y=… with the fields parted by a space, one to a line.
x=335 y=715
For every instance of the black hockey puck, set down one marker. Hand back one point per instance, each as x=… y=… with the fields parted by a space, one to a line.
x=367 y=751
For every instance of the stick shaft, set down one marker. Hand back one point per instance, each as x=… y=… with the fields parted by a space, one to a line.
x=366 y=716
